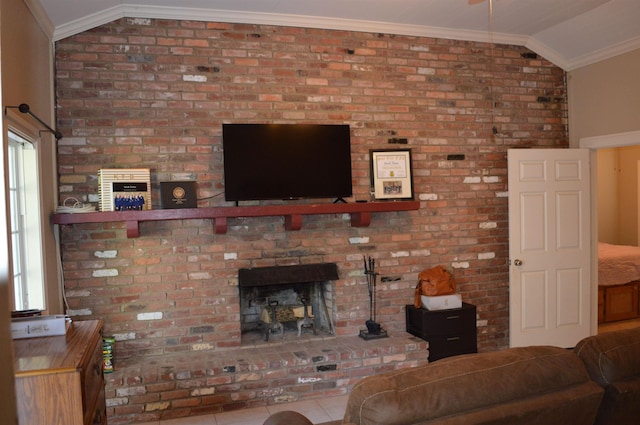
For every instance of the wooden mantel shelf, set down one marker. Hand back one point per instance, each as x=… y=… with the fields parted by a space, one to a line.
x=360 y=214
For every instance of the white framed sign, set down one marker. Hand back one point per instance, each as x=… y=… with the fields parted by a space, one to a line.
x=391 y=174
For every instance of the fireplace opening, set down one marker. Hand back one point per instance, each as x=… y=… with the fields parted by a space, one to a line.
x=286 y=302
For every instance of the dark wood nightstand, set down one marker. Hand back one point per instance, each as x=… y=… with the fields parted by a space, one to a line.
x=449 y=332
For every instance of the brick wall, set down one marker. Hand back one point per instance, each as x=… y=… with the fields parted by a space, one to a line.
x=154 y=93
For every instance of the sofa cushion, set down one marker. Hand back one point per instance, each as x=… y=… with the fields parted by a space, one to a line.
x=611 y=357
x=613 y=361
x=502 y=384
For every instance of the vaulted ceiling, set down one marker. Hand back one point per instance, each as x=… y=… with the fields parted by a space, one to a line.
x=569 y=33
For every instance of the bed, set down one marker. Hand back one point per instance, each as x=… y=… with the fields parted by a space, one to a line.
x=618 y=282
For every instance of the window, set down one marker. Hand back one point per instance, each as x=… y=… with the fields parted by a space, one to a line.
x=26 y=238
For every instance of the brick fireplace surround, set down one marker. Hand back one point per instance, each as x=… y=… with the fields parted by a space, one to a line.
x=144 y=390
x=154 y=93
x=283 y=368
x=286 y=367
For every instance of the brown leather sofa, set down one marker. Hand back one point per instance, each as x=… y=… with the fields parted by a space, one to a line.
x=597 y=383
x=613 y=361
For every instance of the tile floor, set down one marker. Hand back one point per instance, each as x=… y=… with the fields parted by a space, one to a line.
x=318 y=411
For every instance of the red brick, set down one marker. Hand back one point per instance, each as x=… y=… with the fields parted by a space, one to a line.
x=438 y=94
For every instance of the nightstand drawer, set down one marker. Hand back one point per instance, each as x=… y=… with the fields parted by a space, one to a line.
x=441 y=346
x=449 y=332
x=421 y=321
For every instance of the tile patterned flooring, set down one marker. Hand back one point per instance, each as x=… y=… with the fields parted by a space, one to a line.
x=318 y=411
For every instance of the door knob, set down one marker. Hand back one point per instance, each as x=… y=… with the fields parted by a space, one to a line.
x=517 y=262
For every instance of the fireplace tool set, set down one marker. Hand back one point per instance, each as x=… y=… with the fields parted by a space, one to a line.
x=374 y=330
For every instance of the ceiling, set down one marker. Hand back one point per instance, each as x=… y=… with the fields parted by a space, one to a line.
x=569 y=33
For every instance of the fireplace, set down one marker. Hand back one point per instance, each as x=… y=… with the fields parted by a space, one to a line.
x=286 y=303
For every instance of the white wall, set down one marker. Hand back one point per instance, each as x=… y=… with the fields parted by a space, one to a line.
x=604 y=98
x=604 y=101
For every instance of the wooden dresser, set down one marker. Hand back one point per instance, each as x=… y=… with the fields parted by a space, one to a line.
x=59 y=379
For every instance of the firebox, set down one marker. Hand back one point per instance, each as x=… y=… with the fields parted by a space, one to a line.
x=286 y=302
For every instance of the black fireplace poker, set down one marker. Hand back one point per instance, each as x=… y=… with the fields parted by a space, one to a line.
x=374 y=330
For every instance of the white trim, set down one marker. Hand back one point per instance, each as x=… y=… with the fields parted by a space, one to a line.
x=17 y=123
x=26 y=212
x=287 y=20
x=630 y=138
x=322 y=22
x=41 y=17
x=603 y=54
x=88 y=22
x=547 y=52
x=599 y=142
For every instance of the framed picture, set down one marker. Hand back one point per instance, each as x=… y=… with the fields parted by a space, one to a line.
x=391 y=175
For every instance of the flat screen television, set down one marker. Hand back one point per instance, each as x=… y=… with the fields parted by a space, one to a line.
x=286 y=161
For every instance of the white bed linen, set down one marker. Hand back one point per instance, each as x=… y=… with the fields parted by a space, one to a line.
x=617 y=264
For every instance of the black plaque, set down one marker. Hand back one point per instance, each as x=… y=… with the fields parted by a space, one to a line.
x=178 y=194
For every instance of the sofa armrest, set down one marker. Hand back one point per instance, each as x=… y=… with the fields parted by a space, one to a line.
x=611 y=357
x=612 y=362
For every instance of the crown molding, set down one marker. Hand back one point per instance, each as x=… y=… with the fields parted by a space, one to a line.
x=88 y=22
x=213 y=15
x=604 y=54
x=584 y=60
x=41 y=17
x=547 y=52
x=630 y=138
x=300 y=21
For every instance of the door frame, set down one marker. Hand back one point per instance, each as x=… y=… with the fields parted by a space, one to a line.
x=615 y=140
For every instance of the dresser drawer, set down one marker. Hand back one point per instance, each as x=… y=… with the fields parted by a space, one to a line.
x=441 y=346
x=449 y=332
x=422 y=322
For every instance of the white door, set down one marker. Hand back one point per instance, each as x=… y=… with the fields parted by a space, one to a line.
x=550 y=294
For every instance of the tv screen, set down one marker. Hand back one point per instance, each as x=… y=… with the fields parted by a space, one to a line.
x=286 y=161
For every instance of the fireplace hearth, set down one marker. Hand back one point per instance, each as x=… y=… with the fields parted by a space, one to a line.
x=286 y=302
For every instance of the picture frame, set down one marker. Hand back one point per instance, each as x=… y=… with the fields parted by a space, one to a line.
x=391 y=174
